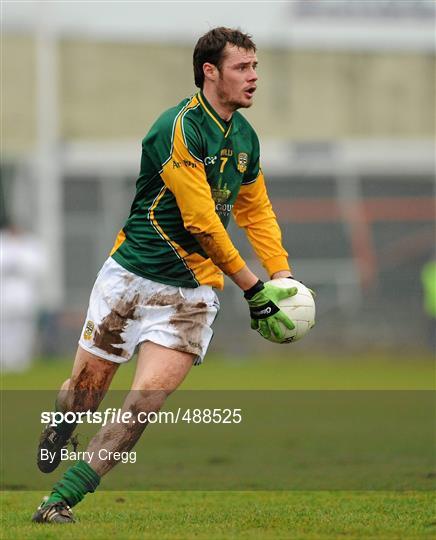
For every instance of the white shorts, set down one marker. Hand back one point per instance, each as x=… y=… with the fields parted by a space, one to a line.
x=126 y=309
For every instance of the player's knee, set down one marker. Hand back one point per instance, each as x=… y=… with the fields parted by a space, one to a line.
x=145 y=400
x=163 y=387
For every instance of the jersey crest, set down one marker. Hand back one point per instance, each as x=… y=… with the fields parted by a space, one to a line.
x=242 y=162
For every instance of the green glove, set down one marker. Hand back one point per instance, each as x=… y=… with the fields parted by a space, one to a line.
x=265 y=313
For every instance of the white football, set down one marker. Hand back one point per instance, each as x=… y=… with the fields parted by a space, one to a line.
x=299 y=308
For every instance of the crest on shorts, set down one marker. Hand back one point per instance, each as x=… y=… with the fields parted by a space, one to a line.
x=242 y=162
x=89 y=328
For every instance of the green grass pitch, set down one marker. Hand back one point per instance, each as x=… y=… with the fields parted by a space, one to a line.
x=231 y=515
x=248 y=514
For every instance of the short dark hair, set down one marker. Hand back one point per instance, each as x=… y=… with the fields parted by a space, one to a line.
x=210 y=48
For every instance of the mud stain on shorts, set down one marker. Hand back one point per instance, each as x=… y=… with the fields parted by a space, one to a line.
x=108 y=337
x=161 y=299
x=189 y=319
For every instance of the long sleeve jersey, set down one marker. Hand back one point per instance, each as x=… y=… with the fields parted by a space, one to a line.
x=196 y=170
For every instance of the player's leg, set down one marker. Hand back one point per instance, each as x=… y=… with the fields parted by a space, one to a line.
x=90 y=378
x=174 y=326
x=159 y=372
x=108 y=338
x=83 y=391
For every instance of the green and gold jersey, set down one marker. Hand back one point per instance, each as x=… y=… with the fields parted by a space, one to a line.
x=196 y=170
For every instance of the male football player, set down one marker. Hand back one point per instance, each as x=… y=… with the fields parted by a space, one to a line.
x=200 y=164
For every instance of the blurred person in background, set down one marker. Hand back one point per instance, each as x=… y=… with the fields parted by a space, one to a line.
x=428 y=279
x=22 y=267
x=200 y=162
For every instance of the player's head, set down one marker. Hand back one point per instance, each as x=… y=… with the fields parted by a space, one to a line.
x=224 y=63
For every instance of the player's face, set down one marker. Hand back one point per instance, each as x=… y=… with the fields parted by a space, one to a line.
x=237 y=80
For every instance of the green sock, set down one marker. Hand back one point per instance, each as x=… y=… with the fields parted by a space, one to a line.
x=76 y=482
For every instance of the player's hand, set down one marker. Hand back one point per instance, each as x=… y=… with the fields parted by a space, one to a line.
x=265 y=314
x=312 y=292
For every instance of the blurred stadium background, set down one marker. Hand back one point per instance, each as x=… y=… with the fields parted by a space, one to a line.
x=345 y=111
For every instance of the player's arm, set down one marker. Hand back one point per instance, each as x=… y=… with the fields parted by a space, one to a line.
x=253 y=212
x=185 y=176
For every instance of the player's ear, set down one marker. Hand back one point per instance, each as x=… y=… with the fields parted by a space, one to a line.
x=210 y=71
